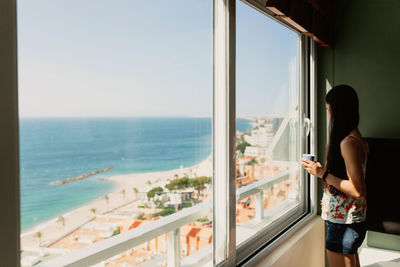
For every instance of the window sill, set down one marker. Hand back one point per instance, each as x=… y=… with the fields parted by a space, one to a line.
x=379 y=257
x=379 y=249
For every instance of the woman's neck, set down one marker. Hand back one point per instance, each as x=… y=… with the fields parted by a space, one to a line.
x=355 y=132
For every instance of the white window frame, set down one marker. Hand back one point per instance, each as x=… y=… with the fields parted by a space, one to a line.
x=224 y=127
x=226 y=253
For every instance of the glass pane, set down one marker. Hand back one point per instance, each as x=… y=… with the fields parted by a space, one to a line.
x=115 y=123
x=267 y=100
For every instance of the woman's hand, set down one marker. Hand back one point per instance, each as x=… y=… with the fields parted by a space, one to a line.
x=313 y=168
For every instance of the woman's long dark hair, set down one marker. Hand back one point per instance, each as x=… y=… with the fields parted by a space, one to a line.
x=343 y=102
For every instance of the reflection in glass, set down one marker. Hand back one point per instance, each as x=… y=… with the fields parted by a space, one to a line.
x=268 y=97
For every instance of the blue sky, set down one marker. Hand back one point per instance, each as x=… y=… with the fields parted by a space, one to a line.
x=98 y=58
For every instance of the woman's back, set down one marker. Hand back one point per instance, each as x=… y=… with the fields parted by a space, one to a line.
x=343 y=208
x=363 y=144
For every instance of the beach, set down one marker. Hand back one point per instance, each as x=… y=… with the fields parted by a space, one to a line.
x=122 y=195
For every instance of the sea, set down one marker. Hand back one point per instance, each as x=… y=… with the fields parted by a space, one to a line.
x=52 y=149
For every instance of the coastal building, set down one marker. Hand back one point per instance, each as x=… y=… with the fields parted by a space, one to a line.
x=260 y=136
x=255 y=151
x=244 y=175
x=204 y=236
x=261 y=121
x=174 y=198
x=244 y=180
x=130 y=224
x=97 y=229
x=177 y=198
x=142 y=194
x=188 y=235
x=163 y=197
x=244 y=171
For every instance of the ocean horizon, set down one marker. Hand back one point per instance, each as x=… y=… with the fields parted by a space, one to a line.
x=58 y=148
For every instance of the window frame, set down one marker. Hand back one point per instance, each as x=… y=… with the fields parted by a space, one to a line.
x=226 y=253
x=9 y=135
x=224 y=127
x=10 y=140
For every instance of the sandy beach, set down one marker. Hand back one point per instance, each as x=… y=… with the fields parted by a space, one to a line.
x=53 y=229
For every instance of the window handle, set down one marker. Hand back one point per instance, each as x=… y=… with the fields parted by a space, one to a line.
x=307 y=126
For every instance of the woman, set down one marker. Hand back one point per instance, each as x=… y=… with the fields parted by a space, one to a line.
x=344 y=198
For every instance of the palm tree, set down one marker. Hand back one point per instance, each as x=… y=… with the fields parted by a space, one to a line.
x=106 y=197
x=136 y=191
x=93 y=210
x=38 y=235
x=123 y=194
x=61 y=220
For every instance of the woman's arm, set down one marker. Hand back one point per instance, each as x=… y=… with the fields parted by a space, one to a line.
x=345 y=186
x=355 y=186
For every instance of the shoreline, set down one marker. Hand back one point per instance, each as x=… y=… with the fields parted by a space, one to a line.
x=50 y=229
x=35 y=228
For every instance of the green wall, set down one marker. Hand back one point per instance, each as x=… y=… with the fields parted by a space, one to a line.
x=365 y=55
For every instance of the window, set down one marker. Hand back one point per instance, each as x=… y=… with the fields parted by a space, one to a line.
x=165 y=133
x=115 y=128
x=269 y=94
x=261 y=74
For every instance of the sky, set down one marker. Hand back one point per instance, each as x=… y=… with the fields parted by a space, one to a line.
x=135 y=58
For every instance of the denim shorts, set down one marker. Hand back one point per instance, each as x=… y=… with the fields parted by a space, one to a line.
x=344 y=238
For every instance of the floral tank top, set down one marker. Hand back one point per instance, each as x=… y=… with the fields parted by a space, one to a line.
x=343 y=208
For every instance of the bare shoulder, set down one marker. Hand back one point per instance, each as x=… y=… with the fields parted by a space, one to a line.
x=350 y=147
x=349 y=141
